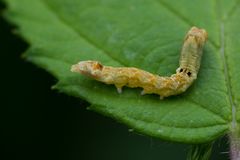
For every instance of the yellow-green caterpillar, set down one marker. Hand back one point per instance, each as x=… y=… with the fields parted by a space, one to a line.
x=189 y=62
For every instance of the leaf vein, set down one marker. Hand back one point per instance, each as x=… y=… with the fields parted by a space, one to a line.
x=80 y=34
x=206 y=108
x=181 y=17
x=154 y=122
x=232 y=11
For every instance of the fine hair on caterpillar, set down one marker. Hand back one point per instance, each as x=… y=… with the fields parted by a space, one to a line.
x=177 y=83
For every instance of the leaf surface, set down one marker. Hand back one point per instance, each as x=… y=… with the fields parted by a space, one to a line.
x=147 y=35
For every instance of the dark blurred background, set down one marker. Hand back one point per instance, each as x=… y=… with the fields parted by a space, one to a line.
x=39 y=123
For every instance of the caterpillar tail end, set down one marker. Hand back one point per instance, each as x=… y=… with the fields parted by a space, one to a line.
x=80 y=67
x=75 y=68
x=89 y=68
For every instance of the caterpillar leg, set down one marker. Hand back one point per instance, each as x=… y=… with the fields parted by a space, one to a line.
x=142 y=92
x=119 y=90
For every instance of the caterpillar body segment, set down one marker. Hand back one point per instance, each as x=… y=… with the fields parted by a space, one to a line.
x=134 y=77
x=189 y=62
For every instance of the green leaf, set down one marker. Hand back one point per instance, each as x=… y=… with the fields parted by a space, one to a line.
x=147 y=35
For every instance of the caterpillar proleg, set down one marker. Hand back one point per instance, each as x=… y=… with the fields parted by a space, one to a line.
x=189 y=62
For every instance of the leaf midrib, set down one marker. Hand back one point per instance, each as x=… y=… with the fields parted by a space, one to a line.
x=226 y=66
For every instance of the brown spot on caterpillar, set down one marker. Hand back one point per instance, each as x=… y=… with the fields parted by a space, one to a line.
x=189 y=62
x=98 y=66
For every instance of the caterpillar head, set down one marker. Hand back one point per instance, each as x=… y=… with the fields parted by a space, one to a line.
x=200 y=35
x=89 y=68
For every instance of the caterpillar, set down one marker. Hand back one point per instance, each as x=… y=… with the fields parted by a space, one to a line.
x=177 y=83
